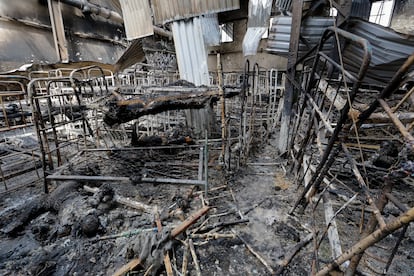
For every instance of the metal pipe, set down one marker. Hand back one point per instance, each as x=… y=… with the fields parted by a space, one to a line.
x=86 y=7
x=162 y=32
x=106 y=13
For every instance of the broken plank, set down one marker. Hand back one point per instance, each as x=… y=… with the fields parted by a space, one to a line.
x=289 y=256
x=333 y=235
x=195 y=259
x=128 y=267
x=167 y=260
x=256 y=254
x=189 y=221
x=174 y=233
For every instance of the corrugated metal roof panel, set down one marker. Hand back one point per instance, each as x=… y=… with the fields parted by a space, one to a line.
x=389 y=51
x=137 y=18
x=361 y=9
x=169 y=10
x=211 y=29
x=191 y=51
x=134 y=54
x=312 y=29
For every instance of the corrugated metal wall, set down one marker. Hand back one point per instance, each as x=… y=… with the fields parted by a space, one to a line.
x=169 y=10
x=211 y=29
x=279 y=35
x=137 y=18
x=191 y=51
x=389 y=51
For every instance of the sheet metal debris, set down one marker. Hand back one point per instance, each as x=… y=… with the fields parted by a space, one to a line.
x=389 y=48
x=137 y=18
x=259 y=13
x=311 y=32
x=191 y=51
x=169 y=10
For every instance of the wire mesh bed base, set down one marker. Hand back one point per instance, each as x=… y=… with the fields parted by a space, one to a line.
x=176 y=165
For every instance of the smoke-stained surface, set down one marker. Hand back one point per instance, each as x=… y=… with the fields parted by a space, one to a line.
x=26 y=34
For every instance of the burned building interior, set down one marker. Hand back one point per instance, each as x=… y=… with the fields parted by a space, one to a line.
x=200 y=137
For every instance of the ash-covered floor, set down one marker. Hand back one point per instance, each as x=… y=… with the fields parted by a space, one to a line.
x=73 y=231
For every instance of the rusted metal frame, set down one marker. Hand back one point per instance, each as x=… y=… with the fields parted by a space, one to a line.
x=388 y=90
x=407 y=135
x=76 y=84
x=310 y=80
x=104 y=81
x=85 y=122
x=126 y=179
x=88 y=69
x=338 y=66
x=320 y=114
x=363 y=186
x=328 y=159
x=18 y=94
x=299 y=158
x=308 y=136
x=52 y=122
x=142 y=148
x=6 y=119
x=223 y=111
x=206 y=164
x=19 y=77
x=298 y=122
x=255 y=80
x=71 y=120
x=20 y=172
x=39 y=124
x=242 y=111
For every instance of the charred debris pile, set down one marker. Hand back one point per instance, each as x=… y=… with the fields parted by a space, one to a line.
x=105 y=175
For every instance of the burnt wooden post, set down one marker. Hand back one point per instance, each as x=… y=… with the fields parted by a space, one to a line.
x=58 y=30
x=291 y=71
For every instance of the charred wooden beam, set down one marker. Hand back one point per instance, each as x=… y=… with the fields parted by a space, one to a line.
x=122 y=111
x=174 y=233
x=369 y=240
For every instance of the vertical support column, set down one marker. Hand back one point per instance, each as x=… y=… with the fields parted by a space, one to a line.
x=223 y=110
x=291 y=70
x=206 y=164
x=58 y=29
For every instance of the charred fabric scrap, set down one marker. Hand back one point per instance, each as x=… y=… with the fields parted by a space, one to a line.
x=171 y=98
